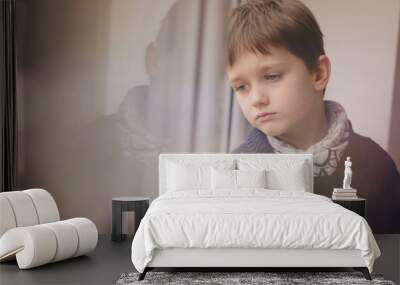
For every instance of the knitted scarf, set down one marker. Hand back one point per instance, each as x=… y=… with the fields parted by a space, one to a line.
x=327 y=152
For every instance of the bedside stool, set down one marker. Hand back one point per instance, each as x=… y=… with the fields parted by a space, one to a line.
x=139 y=205
x=356 y=205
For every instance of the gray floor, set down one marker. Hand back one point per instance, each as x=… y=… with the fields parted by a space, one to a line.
x=110 y=260
x=388 y=263
x=103 y=266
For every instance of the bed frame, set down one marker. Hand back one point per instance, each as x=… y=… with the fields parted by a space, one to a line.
x=242 y=259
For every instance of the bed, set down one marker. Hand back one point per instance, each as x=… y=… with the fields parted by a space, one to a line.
x=245 y=211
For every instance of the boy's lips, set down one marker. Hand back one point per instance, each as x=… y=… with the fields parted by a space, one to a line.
x=264 y=116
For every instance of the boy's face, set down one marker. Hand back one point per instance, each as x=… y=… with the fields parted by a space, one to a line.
x=278 y=86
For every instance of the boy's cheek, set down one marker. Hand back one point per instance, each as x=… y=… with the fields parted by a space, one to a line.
x=250 y=119
x=246 y=111
x=242 y=103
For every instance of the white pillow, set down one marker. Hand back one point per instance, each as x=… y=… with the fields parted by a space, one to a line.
x=189 y=175
x=181 y=177
x=281 y=174
x=223 y=179
x=251 y=178
x=289 y=179
x=237 y=179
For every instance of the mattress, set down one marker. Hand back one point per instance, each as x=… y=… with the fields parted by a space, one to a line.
x=250 y=218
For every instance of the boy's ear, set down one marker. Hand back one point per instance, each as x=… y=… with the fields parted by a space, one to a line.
x=322 y=73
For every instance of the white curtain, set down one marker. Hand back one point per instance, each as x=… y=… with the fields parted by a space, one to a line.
x=188 y=105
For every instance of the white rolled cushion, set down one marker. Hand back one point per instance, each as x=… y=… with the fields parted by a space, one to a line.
x=67 y=239
x=33 y=245
x=45 y=205
x=251 y=178
x=223 y=179
x=7 y=219
x=23 y=208
x=87 y=234
x=40 y=244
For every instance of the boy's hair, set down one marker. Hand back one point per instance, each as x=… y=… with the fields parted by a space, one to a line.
x=259 y=24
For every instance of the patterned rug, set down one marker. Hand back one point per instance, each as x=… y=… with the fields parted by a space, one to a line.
x=273 y=278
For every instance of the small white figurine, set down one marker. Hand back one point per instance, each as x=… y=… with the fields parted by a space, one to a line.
x=347 y=174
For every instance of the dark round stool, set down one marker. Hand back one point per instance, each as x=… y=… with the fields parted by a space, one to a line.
x=139 y=205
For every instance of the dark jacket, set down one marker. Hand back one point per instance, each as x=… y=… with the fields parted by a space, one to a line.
x=375 y=177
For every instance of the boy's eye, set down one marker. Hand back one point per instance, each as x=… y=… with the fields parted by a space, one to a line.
x=240 y=88
x=272 y=77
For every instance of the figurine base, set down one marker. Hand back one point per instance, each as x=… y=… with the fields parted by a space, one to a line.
x=344 y=194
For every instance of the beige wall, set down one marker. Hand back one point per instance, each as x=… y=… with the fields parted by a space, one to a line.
x=394 y=136
x=73 y=70
x=80 y=57
x=64 y=65
x=361 y=40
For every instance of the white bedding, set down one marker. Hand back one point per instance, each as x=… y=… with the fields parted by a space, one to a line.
x=250 y=218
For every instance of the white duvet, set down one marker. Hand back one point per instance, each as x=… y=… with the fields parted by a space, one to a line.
x=251 y=218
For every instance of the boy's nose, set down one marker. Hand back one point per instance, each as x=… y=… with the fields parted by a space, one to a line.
x=259 y=97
